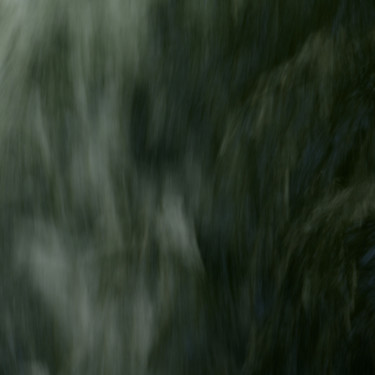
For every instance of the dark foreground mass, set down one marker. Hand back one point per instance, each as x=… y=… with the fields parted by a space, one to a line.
x=187 y=187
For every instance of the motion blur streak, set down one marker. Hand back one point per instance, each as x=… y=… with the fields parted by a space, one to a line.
x=187 y=187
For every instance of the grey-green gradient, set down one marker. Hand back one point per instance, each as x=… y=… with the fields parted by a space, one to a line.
x=187 y=187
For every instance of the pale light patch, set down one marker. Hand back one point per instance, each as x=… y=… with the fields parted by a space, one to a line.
x=63 y=283
x=36 y=368
x=176 y=232
x=113 y=331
